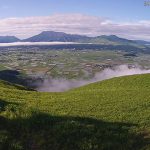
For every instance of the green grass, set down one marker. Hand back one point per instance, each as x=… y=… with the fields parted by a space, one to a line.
x=2 y=67
x=108 y=115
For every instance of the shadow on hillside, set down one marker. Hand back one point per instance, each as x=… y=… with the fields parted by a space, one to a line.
x=15 y=77
x=45 y=132
x=4 y=104
x=12 y=76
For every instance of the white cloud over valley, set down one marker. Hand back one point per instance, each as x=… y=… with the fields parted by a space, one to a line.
x=74 y=24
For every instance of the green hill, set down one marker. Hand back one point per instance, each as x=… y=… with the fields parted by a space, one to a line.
x=108 y=115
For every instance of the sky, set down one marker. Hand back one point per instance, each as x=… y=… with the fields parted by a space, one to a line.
x=125 y=18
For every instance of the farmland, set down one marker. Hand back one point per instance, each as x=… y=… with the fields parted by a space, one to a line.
x=67 y=63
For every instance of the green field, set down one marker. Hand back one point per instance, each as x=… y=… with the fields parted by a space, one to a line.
x=108 y=115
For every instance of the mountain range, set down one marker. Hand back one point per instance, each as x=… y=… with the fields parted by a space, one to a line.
x=8 y=39
x=51 y=36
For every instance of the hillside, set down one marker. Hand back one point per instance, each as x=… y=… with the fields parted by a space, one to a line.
x=108 y=115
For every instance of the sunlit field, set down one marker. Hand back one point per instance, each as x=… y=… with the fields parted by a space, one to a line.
x=109 y=115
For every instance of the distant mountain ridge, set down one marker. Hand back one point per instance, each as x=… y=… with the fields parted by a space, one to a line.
x=9 y=39
x=51 y=36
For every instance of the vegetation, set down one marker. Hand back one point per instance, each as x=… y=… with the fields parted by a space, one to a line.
x=108 y=115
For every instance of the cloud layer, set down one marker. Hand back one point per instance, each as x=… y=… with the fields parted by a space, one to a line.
x=75 y=24
x=34 y=43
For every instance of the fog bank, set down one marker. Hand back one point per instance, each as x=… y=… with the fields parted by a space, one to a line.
x=60 y=85
x=34 y=43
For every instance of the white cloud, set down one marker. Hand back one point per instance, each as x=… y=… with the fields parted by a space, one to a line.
x=75 y=24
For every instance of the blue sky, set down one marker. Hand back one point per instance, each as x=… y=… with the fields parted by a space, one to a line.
x=125 y=18
x=128 y=10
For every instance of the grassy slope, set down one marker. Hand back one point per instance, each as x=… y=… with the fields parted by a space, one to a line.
x=109 y=115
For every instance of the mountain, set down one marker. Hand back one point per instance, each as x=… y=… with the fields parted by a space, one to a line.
x=110 y=39
x=51 y=36
x=142 y=42
x=8 y=39
x=114 y=38
x=108 y=115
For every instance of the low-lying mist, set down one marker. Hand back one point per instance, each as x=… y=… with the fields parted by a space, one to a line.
x=60 y=85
